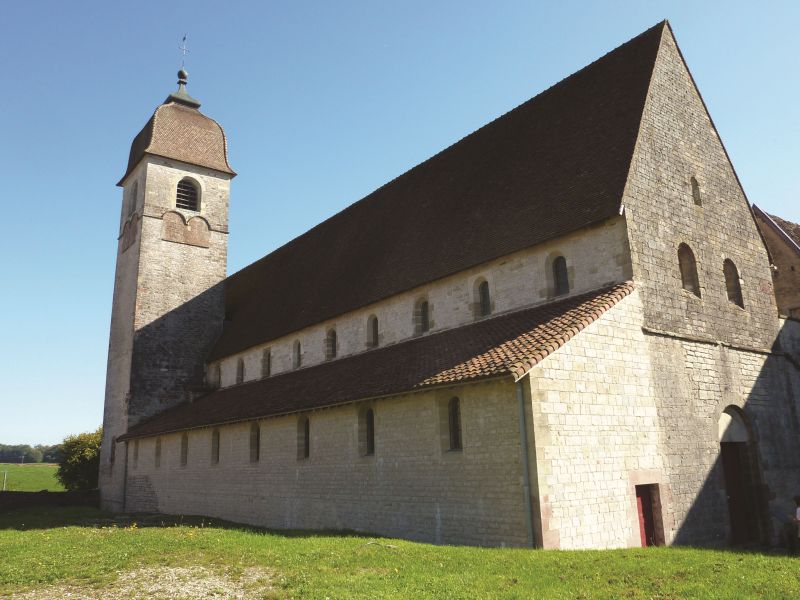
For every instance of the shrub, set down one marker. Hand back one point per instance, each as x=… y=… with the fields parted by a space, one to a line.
x=80 y=461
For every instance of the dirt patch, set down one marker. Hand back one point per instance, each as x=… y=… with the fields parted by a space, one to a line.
x=167 y=583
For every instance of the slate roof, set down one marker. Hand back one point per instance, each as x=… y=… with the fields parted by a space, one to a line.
x=183 y=133
x=790 y=232
x=791 y=229
x=555 y=164
x=505 y=345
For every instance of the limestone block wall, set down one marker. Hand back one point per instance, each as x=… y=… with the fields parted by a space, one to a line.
x=619 y=406
x=120 y=347
x=412 y=487
x=168 y=302
x=677 y=141
x=179 y=302
x=694 y=382
x=595 y=257
x=597 y=434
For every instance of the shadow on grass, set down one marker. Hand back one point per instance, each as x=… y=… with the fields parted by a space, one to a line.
x=80 y=516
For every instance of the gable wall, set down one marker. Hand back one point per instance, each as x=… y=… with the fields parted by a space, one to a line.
x=677 y=141
x=595 y=256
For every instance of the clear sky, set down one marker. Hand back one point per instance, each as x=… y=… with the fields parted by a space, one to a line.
x=322 y=103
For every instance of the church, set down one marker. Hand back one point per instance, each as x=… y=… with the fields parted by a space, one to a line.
x=570 y=329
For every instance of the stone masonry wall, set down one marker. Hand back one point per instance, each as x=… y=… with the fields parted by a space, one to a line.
x=706 y=353
x=595 y=257
x=412 y=487
x=618 y=407
x=676 y=142
x=168 y=305
x=596 y=432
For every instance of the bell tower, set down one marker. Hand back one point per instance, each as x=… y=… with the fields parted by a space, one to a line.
x=168 y=305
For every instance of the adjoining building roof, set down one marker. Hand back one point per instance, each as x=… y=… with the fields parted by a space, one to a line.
x=787 y=230
x=506 y=345
x=555 y=164
x=791 y=229
x=179 y=130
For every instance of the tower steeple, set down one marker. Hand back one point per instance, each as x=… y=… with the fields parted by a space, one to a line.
x=171 y=260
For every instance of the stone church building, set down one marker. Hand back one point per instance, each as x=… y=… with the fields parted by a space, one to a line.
x=569 y=329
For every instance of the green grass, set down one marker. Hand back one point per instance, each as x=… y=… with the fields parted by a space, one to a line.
x=88 y=549
x=33 y=477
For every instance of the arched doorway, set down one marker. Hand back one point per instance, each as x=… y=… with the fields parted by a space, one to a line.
x=740 y=469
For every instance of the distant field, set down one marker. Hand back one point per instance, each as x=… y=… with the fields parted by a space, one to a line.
x=33 y=477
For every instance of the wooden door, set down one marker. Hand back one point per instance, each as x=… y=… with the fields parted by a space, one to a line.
x=735 y=489
x=644 y=506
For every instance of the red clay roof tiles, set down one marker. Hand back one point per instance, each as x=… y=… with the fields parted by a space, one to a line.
x=506 y=345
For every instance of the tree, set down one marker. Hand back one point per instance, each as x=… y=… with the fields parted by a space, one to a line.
x=80 y=461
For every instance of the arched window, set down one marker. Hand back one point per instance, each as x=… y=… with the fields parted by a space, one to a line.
x=213 y=375
x=373 y=335
x=297 y=355
x=184 y=449
x=158 y=453
x=696 y=192
x=422 y=317
x=187 y=196
x=454 y=423
x=560 y=276
x=255 y=442
x=303 y=438
x=330 y=345
x=266 y=362
x=484 y=299
x=240 y=370
x=688 y=266
x=215 y=447
x=732 y=283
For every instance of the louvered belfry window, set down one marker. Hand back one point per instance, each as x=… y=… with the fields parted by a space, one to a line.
x=187 y=196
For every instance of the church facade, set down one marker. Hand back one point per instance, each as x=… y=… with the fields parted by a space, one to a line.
x=567 y=330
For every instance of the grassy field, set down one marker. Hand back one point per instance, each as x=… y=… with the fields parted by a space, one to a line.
x=32 y=477
x=58 y=552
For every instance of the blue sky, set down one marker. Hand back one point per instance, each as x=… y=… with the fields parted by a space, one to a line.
x=322 y=103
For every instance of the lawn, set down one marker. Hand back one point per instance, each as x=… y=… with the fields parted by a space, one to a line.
x=58 y=552
x=33 y=477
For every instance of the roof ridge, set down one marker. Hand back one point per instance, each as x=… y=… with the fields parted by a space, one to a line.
x=455 y=143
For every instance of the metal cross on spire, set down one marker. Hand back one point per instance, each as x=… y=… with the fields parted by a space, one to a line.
x=184 y=50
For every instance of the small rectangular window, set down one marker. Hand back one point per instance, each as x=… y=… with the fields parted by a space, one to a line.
x=215 y=447
x=158 y=453
x=255 y=442
x=184 y=449
x=266 y=363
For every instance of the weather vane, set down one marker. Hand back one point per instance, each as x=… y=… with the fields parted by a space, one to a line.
x=184 y=50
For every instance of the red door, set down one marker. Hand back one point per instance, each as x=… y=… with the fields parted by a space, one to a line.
x=644 y=506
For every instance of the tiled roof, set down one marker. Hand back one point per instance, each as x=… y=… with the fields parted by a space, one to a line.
x=183 y=133
x=509 y=345
x=555 y=164
x=791 y=229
